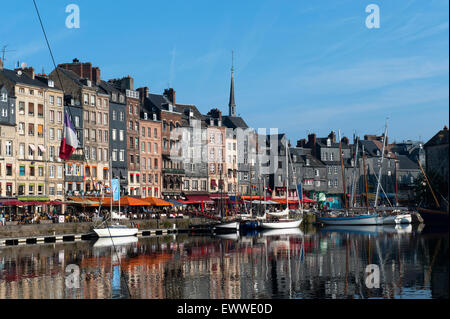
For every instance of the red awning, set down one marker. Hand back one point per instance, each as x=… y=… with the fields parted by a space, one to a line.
x=11 y=202
x=218 y=196
x=199 y=198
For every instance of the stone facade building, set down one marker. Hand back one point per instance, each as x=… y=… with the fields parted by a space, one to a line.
x=81 y=81
x=151 y=158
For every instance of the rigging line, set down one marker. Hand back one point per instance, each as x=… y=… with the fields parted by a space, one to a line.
x=50 y=50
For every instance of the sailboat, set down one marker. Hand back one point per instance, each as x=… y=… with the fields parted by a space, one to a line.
x=225 y=225
x=282 y=223
x=344 y=218
x=114 y=230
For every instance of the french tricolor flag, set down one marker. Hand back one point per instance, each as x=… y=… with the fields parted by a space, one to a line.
x=69 y=142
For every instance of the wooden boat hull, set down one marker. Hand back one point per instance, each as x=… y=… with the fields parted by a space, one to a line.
x=281 y=224
x=434 y=217
x=351 y=220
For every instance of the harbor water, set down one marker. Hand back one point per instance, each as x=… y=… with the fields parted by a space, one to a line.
x=354 y=262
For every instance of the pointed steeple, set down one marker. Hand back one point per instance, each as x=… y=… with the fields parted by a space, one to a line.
x=231 y=104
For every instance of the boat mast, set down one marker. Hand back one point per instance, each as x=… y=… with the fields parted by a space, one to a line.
x=428 y=182
x=342 y=168
x=381 y=165
x=365 y=178
x=354 y=173
x=287 y=176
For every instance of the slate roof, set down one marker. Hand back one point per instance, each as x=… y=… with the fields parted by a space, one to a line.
x=406 y=163
x=12 y=76
x=439 y=139
x=234 y=122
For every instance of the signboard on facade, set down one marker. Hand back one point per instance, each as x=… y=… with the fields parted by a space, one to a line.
x=61 y=219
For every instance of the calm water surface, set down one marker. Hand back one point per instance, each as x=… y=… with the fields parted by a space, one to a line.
x=318 y=263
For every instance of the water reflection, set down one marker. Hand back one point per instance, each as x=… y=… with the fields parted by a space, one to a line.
x=322 y=263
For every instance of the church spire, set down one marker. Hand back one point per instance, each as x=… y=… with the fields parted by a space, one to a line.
x=231 y=104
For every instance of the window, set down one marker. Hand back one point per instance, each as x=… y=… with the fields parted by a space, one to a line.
x=21 y=128
x=59 y=171
x=22 y=108
x=99 y=135
x=212 y=168
x=51 y=100
x=156 y=163
x=22 y=170
x=31 y=109
x=114 y=115
x=51 y=171
x=122 y=155
x=4 y=112
x=105 y=154
x=41 y=130
x=52 y=116
x=77 y=121
x=4 y=97
x=143 y=132
x=86 y=98
x=316 y=172
x=22 y=150
x=59 y=101
x=149 y=163
x=114 y=133
x=93 y=100
x=30 y=129
x=121 y=135
x=155 y=148
x=155 y=133
x=105 y=135
x=99 y=118
x=114 y=155
x=59 y=117
x=93 y=153
x=121 y=116
x=93 y=135
x=99 y=154
x=59 y=134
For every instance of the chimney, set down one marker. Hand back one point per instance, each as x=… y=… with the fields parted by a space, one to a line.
x=170 y=95
x=96 y=75
x=311 y=140
x=83 y=70
x=345 y=140
x=445 y=126
x=332 y=136
x=29 y=71
x=143 y=93
x=301 y=143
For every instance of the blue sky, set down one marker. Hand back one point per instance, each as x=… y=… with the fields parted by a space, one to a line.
x=300 y=66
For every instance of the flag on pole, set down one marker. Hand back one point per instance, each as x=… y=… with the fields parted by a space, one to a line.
x=69 y=142
x=115 y=189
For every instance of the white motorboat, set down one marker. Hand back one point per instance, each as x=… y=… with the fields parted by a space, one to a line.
x=227 y=226
x=119 y=241
x=404 y=218
x=115 y=231
x=282 y=224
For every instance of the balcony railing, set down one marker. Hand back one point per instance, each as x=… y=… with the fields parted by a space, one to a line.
x=172 y=171
x=77 y=157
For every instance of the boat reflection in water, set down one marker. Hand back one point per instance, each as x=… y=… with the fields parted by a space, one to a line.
x=370 y=229
x=322 y=263
x=115 y=241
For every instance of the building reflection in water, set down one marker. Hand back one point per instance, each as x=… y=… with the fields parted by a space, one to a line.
x=327 y=263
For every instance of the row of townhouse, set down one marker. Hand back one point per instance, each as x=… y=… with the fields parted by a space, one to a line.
x=123 y=132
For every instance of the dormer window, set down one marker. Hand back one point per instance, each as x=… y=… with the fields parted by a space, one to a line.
x=51 y=83
x=308 y=162
x=211 y=122
x=145 y=116
x=170 y=107
x=329 y=142
x=4 y=97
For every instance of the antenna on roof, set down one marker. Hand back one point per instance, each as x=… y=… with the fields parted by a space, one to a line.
x=4 y=51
